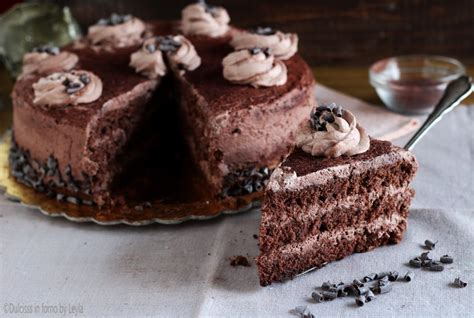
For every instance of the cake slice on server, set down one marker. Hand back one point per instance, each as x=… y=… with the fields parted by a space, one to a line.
x=338 y=192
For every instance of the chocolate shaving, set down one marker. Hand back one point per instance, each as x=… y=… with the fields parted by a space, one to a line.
x=409 y=276
x=430 y=245
x=263 y=31
x=360 y=300
x=317 y=296
x=446 y=259
x=459 y=283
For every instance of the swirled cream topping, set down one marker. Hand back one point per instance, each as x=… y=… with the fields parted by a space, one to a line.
x=255 y=67
x=117 y=31
x=281 y=45
x=46 y=60
x=203 y=19
x=148 y=60
x=179 y=50
x=332 y=132
x=185 y=56
x=67 y=88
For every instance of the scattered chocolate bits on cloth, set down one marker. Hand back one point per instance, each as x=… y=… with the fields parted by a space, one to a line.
x=430 y=245
x=239 y=260
x=459 y=283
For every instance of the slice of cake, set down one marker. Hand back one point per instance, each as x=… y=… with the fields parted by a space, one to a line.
x=337 y=193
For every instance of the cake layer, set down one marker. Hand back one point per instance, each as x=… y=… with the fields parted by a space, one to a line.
x=295 y=206
x=315 y=251
x=284 y=223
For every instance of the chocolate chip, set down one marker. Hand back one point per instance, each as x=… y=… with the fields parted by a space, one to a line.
x=369 y=296
x=392 y=276
x=317 y=296
x=167 y=43
x=329 y=294
x=436 y=267
x=370 y=277
x=425 y=256
x=409 y=276
x=263 y=31
x=84 y=78
x=360 y=300
x=459 y=283
x=416 y=262
x=446 y=259
x=430 y=245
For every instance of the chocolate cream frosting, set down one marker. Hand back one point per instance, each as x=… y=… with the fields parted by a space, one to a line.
x=67 y=88
x=255 y=67
x=203 y=19
x=339 y=135
x=126 y=32
x=149 y=59
x=43 y=63
x=281 y=45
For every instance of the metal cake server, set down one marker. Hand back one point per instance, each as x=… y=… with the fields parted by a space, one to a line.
x=455 y=92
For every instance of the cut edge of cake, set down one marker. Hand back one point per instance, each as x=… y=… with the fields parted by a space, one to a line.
x=355 y=205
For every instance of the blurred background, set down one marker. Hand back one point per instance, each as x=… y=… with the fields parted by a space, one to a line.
x=339 y=39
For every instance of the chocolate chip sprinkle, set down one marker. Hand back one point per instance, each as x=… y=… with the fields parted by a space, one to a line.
x=446 y=259
x=459 y=283
x=257 y=50
x=114 y=19
x=263 y=30
x=167 y=43
x=51 y=50
x=323 y=115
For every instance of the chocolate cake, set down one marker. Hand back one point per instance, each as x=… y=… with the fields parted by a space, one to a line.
x=73 y=145
x=324 y=202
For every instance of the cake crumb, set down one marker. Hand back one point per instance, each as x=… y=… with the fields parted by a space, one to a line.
x=239 y=260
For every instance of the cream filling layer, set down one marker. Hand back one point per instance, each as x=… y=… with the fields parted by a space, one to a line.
x=349 y=202
x=333 y=238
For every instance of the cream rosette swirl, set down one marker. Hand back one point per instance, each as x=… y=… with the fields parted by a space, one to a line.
x=46 y=60
x=203 y=19
x=185 y=56
x=331 y=133
x=148 y=60
x=282 y=45
x=255 y=67
x=67 y=88
x=117 y=31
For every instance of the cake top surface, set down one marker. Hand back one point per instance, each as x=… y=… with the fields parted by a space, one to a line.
x=303 y=163
x=118 y=78
x=301 y=169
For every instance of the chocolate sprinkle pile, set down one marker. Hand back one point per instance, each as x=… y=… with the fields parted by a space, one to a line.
x=239 y=261
x=46 y=177
x=76 y=85
x=364 y=290
x=324 y=114
x=245 y=181
x=263 y=31
x=208 y=8
x=164 y=44
x=52 y=50
x=114 y=19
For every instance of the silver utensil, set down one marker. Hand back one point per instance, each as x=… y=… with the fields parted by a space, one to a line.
x=455 y=92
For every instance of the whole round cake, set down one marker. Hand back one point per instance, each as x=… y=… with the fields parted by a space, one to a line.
x=77 y=111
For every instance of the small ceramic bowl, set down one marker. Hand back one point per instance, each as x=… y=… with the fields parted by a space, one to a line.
x=413 y=84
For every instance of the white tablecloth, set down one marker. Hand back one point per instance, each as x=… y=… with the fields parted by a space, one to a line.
x=50 y=265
